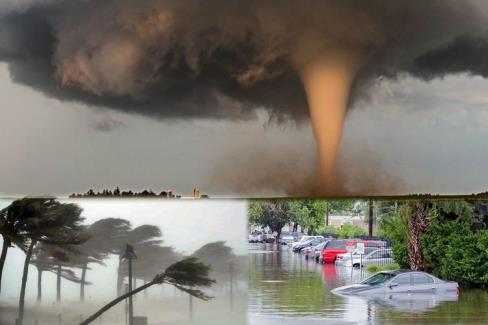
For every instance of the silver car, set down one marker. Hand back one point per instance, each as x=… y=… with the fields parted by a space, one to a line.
x=354 y=258
x=286 y=238
x=398 y=281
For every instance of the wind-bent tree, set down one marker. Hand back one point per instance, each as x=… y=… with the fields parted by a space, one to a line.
x=140 y=237
x=43 y=220
x=185 y=275
x=105 y=238
x=11 y=236
x=57 y=259
x=218 y=255
x=151 y=259
x=270 y=213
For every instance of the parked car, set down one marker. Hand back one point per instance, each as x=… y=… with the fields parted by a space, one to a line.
x=315 y=251
x=268 y=238
x=380 y=257
x=335 y=247
x=344 y=259
x=300 y=241
x=256 y=236
x=315 y=240
x=399 y=281
x=297 y=235
x=286 y=238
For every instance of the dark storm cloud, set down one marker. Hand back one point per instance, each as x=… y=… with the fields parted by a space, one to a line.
x=107 y=124
x=222 y=59
x=464 y=54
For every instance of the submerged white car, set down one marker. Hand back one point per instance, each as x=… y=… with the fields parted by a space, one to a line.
x=398 y=281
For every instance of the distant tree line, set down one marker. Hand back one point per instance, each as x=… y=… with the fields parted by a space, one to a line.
x=118 y=193
x=312 y=215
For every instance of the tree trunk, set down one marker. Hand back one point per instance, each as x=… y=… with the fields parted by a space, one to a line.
x=115 y=302
x=417 y=224
x=39 y=285
x=370 y=218
x=58 y=284
x=326 y=213
x=82 y=284
x=28 y=255
x=278 y=236
x=119 y=280
x=3 y=257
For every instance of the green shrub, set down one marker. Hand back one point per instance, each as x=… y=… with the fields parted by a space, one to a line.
x=323 y=229
x=349 y=230
x=455 y=252
x=372 y=268
x=396 y=229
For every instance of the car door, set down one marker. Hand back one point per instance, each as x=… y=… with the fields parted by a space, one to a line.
x=422 y=284
x=372 y=258
x=400 y=284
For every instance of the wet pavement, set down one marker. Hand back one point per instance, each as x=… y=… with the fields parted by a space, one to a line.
x=284 y=288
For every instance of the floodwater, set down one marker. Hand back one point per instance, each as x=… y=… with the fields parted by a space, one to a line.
x=284 y=288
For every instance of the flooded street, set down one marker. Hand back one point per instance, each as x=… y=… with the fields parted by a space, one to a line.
x=285 y=288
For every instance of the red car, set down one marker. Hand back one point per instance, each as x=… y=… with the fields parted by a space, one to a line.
x=334 y=247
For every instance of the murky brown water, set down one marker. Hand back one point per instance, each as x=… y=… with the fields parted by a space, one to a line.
x=284 y=288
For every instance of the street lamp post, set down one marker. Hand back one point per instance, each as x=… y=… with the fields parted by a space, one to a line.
x=130 y=254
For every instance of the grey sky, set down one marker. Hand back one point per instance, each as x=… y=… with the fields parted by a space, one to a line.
x=427 y=136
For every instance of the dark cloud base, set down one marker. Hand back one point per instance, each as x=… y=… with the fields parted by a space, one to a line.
x=398 y=37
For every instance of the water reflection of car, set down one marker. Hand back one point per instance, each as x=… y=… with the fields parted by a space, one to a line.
x=315 y=240
x=256 y=236
x=399 y=282
x=417 y=302
x=372 y=255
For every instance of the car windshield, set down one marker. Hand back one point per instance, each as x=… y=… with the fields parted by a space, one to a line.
x=378 y=278
x=283 y=234
x=256 y=232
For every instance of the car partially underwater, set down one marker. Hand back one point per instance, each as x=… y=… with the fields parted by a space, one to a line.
x=400 y=282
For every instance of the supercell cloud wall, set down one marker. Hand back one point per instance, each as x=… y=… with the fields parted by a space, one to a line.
x=223 y=59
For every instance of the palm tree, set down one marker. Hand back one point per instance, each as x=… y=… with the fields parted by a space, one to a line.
x=140 y=237
x=11 y=235
x=58 y=260
x=216 y=254
x=150 y=260
x=43 y=220
x=106 y=236
x=417 y=224
x=184 y=275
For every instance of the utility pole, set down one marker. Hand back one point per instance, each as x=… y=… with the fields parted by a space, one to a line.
x=327 y=213
x=231 y=271
x=130 y=254
x=370 y=219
